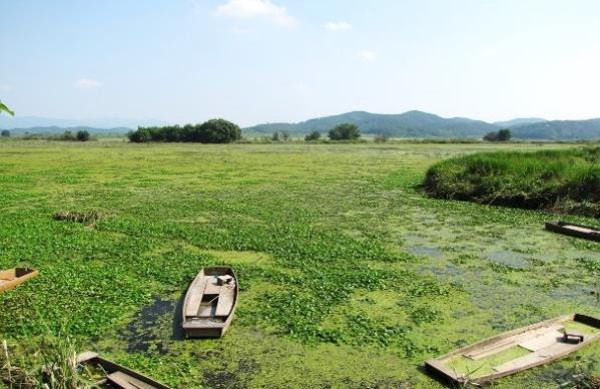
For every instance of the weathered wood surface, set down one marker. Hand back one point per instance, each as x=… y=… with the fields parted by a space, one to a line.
x=118 y=375
x=545 y=342
x=575 y=230
x=210 y=302
x=12 y=278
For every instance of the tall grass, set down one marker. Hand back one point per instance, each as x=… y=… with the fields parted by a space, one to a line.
x=52 y=366
x=560 y=180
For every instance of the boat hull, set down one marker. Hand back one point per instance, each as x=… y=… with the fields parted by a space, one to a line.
x=110 y=368
x=206 y=327
x=562 y=228
x=10 y=279
x=439 y=368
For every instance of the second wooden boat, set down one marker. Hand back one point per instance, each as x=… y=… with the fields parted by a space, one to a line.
x=210 y=303
x=575 y=230
x=11 y=278
x=109 y=375
x=517 y=350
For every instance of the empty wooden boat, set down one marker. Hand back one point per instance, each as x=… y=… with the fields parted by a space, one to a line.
x=210 y=303
x=575 y=230
x=109 y=375
x=517 y=350
x=11 y=278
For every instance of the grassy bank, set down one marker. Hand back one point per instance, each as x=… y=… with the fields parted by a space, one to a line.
x=565 y=181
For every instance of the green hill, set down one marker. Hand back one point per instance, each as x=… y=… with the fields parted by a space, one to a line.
x=408 y=124
x=560 y=130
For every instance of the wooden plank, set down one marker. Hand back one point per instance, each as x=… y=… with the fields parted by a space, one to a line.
x=196 y=293
x=212 y=287
x=127 y=382
x=226 y=300
x=542 y=341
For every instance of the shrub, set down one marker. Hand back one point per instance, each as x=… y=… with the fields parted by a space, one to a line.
x=500 y=136
x=83 y=136
x=315 y=135
x=381 y=138
x=346 y=131
x=67 y=135
x=5 y=133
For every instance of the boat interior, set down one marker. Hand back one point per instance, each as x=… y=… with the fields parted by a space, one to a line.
x=520 y=350
x=211 y=298
x=13 y=274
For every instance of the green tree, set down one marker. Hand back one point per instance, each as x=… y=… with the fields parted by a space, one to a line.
x=5 y=134
x=275 y=137
x=83 y=136
x=315 y=135
x=504 y=135
x=4 y=108
x=345 y=131
x=491 y=136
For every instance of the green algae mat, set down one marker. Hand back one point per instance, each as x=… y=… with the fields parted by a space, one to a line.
x=350 y=276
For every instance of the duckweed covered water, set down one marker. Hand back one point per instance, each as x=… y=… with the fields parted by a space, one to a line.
x=332 y=293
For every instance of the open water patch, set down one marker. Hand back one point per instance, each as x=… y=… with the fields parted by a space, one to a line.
x=509 y=258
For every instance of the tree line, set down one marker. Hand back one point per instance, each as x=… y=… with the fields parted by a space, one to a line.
x=212 y=131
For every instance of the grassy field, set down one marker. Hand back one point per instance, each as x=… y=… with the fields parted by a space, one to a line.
x=560 y=180
x=350 y=276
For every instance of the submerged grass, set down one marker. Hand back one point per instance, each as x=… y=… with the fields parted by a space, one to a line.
x=331 y=292
x=559 y=180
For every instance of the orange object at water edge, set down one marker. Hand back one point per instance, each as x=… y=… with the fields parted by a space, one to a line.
x=11 y=278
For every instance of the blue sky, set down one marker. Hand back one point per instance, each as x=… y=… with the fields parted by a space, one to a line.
x=254 y=61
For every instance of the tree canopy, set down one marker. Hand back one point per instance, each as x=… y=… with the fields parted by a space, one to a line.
x=345 y=131
x=211 y=131
x=503 y=135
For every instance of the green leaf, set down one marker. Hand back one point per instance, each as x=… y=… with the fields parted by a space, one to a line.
x=6 y=109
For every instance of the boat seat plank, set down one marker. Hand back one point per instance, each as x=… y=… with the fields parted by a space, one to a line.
x=211 y=286
x=195 y=298
x=127 y=382
x=225 y=303
x=542 y=341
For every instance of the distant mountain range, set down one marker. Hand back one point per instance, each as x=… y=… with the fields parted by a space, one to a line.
x=412 y=124
x=417 y=124
x=33 y=123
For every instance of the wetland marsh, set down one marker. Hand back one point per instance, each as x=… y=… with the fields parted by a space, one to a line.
x=349 y=275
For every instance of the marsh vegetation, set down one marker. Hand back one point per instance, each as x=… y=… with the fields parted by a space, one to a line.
x=558 y=180
x=349 y=275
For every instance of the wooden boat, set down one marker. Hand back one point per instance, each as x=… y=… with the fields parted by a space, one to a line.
x=210 y=303
x=11 y=278
x=575 y=230
x=114 y=376
x=516 y=350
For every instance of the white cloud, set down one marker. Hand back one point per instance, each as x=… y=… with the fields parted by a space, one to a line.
x=6 y=88
x=250 y=9
x=367 y=55
x=337 y=26
x=87 y=83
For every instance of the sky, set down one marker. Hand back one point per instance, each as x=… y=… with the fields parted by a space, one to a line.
x=257 y=61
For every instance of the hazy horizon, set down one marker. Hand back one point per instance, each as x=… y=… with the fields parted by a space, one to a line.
x=259 y=61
